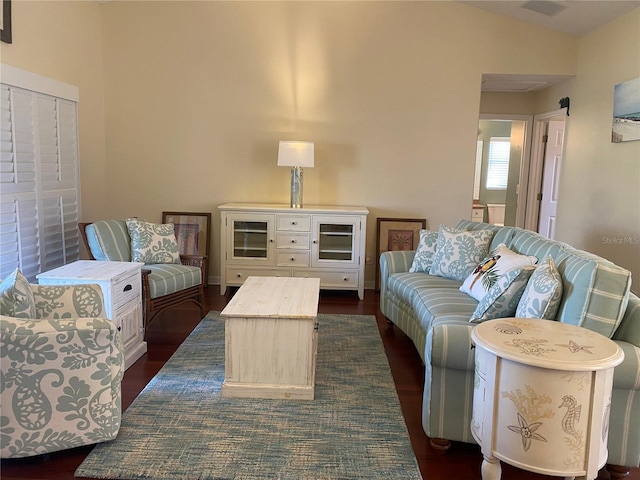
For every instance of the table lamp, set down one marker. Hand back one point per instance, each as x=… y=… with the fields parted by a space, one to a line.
x=295 y=155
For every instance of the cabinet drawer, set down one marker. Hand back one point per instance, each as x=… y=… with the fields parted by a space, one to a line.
x=294 y=223
x=292 y=259
x=237 y=275
x=126 y=288
x=331 y=279
x=477 y=214
x=293 y=240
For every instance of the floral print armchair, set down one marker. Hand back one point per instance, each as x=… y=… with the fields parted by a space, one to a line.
x=61 y=368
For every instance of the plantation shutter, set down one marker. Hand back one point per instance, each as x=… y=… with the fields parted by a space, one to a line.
x=498 y=163
x=39 y=184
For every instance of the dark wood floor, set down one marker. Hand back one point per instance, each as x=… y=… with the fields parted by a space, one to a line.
x=461 y=462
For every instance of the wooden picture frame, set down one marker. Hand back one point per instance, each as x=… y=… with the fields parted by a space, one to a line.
x=192 y=231
x=397 y=234
x=5 y=21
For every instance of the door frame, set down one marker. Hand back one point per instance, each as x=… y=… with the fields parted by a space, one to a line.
x=538 y=149
x=523 y=181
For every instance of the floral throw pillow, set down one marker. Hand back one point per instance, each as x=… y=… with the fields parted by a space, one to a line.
x=542 y=296
x=458 y=253
x=16 y=297
x=152 y=242
x=425 y=251
x=503 y=297
x=486 y=273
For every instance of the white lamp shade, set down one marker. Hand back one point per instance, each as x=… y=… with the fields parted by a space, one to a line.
x=295 y=154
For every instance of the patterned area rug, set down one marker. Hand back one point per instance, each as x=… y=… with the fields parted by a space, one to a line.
x=180 y=427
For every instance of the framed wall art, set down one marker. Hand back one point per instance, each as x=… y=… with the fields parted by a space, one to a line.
x=5 y=21
x=626 y=112
x=397 y=234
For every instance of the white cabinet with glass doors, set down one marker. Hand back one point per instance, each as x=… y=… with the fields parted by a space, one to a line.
x=323 y=242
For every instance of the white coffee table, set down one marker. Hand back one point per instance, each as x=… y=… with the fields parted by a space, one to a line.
x=271 y=338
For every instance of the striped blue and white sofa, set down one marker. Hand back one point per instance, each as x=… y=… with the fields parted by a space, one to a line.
x=164 y=285
x=435 y=314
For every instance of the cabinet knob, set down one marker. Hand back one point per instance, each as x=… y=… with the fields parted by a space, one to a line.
x=294 y=222
x=346 y=279
x=239 y=275
x=127 y=288
x=314 y=242
x=293 y=259
x=271 y=240
x=293 y=241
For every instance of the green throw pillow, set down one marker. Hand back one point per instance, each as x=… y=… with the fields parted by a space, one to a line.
x=458 y=253
x=152 y=243
x=502 y=298
x=16 y=297
x=542 y=296
x=424 y=253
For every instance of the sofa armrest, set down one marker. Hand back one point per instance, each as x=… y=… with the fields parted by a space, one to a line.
x=70 y=301
x=394 y=262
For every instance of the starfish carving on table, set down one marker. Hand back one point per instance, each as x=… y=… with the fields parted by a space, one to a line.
x=527 y=431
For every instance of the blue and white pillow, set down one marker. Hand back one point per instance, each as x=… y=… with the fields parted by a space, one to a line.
x=503 y=297
x=152 y=243
x=458 y=252
x=542 y=296
x=423 y=258
x=16 y=296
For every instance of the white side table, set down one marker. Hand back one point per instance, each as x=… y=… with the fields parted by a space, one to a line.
x=121 y=286
x=542 y=396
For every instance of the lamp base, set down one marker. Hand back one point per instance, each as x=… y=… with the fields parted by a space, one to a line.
x=296 y=187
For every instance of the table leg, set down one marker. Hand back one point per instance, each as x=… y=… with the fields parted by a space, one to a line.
x=491 y=469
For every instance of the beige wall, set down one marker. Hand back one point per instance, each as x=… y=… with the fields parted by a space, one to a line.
x=599 y=200
x=186 y=111
x=63 y=41
x=199 y=93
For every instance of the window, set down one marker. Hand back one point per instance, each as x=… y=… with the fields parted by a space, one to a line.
x=39 y=183
x=498 y=163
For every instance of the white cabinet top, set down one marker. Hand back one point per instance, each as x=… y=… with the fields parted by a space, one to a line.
x=90 y=270
x=547 y=344
x=284 y=208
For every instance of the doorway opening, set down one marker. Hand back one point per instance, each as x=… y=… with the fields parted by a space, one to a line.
x=502 y=165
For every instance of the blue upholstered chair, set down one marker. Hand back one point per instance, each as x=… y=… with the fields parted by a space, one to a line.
x=62 y=364
x=165 y=285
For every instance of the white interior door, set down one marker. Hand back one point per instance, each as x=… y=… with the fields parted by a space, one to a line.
x=550 y=178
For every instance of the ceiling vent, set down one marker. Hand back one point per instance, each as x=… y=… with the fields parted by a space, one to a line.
x=545 y=7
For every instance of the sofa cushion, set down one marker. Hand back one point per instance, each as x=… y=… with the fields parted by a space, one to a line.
x=458 y=253
x=152 y=243
x=503 y=297
x=430 y=303
x=16 y=297
x=405 y=284
x=109 y=240
x=595 y=291
x=542 y=295
x=424 y=253
x=499 y=262
x=500 y=235
x=168 y=278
